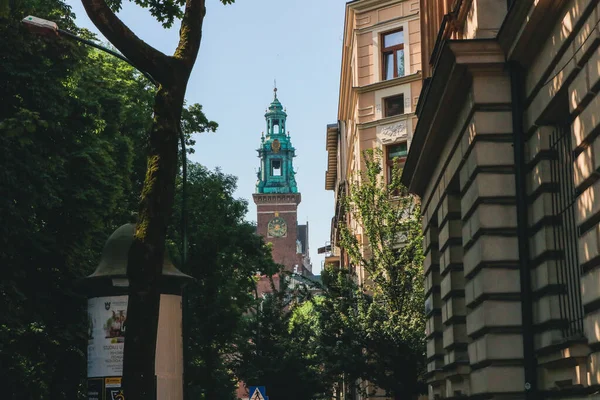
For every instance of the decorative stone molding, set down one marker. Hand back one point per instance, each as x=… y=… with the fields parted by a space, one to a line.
x=365 y=111
x=391 y=133
x=363 y=20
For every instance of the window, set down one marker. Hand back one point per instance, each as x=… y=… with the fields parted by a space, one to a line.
x=393 y=105
x=392 y=52
x=395 y=153
x=276 y=126
x=275 y=167
x=566 y=234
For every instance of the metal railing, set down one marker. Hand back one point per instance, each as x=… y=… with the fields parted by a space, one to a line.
x=566 y=233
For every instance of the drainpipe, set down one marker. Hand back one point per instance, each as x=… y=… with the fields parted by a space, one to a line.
x=530 y=363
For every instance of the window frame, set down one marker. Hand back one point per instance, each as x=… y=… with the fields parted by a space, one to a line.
x=280 y=169
x=389 y=162
x=385 y=103
x=392 y=49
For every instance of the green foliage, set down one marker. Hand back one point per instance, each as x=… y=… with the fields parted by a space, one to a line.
x=193 y=121
x=4 y=8
x=224 y=255
x=390 y=317
x=68 y=125
x=280 y=347
x=340 y=333
x=74 y=125
x=165 y=11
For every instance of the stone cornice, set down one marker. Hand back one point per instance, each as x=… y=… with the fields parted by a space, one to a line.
x=407 y=17
x=449 y=85
x=368 y=5
x=388 y=83
x=477 y=52
x=385 y=121
x=527 y=24
x=276 y=198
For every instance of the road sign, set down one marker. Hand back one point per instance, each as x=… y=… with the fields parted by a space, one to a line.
x=257 y=393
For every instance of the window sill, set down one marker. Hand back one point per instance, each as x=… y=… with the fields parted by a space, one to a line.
x=389 y=83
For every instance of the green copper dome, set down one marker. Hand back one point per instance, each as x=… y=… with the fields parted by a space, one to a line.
x=275 y=108
x=276 y=153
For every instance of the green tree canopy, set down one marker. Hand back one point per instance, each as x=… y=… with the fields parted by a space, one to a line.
x=72 y=123
x=171 y=74
x=224 y=256
x=280 y=349
x=68 y=124
x=389 y=251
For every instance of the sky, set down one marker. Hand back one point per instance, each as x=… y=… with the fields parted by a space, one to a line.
x=245 y=47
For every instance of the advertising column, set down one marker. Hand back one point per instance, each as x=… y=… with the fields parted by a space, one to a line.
x=107 y=326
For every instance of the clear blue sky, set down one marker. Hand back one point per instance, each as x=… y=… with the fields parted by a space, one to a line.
x=245 y=46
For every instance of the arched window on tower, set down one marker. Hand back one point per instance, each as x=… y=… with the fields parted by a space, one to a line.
x=276 y=167
x=276 y=126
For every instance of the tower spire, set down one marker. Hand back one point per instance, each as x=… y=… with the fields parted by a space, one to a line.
x=276 y=152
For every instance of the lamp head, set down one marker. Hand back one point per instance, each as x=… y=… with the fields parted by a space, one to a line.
x=40 y=26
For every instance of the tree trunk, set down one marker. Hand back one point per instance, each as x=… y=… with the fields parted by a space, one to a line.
x=146 y=255
x=145 y=258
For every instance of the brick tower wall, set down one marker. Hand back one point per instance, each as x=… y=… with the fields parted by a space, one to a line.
x=286 y=206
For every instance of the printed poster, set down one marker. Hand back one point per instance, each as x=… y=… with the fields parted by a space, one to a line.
x=113 y=389
x=107 y=323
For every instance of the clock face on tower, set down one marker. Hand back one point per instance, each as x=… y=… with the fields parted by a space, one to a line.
x=277 y=227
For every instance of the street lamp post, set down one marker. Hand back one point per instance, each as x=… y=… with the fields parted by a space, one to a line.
x=45 y=27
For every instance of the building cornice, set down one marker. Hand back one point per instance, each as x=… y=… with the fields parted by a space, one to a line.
x=345 y=76
x=527 y=23
x=388 y=83
x=445 y=94
x=368 y=5
x=393 y=21
x=349 y=35
x=385 y=121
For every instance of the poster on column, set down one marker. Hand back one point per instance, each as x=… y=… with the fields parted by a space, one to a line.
x=107 y=322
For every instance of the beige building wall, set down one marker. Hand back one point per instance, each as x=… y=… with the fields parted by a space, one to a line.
x=363 y=122
x=533 y=76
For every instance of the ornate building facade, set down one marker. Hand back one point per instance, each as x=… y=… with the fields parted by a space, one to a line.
x=505 y=158
x=380 y=82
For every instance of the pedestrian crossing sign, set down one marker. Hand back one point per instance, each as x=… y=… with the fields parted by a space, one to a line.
x=257 y=393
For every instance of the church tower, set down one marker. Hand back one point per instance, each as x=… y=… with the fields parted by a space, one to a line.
x=277 y=195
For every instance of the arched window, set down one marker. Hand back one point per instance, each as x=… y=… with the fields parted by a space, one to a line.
x=276 y=167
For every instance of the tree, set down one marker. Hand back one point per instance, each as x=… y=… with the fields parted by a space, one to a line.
x=145 y=258
x=280 y=346
x=340 y=331
x=225 y=254
x=389 y=250
x=71 y=122
x=67 y=136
